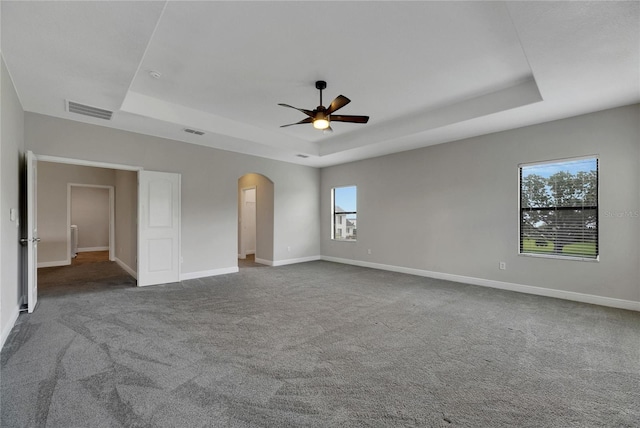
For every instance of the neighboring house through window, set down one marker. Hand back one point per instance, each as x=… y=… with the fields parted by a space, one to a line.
x=559 y=208
x=344 y=213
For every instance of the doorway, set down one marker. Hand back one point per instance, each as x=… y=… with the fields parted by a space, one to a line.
x=255 y=220
x=83 y=194
x=90 y=221
x=147 y=218
x=247 y=223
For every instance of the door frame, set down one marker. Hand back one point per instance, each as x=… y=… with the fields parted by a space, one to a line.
x=81 y=162
x=242 y=254
x=112 y=216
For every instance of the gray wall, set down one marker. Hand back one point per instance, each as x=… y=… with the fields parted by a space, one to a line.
x=209 y=187
x=453 y=208
x=53 y=207
x=11 y=159
x=127 y=219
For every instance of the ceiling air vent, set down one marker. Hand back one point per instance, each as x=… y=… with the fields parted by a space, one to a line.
x=193 y=131
x=302 y=156
x=73 y=107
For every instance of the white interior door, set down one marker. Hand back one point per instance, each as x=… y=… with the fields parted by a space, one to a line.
x=158 y=228
x=248 y=221
x=32 y=239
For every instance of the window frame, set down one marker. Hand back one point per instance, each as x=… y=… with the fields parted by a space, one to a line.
x=333 y=213
x=597 y=209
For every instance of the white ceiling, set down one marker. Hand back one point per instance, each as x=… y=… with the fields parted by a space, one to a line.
x=425 y=72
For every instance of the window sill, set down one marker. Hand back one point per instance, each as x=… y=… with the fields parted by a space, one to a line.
x=558 y=257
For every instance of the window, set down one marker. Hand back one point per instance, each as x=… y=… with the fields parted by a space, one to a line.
x=559 y=208
x=343 y=207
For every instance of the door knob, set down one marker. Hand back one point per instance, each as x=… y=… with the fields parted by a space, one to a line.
x=24 y=241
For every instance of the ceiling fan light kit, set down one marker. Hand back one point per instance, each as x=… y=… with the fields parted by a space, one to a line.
x=322 y=116
x=320 y=122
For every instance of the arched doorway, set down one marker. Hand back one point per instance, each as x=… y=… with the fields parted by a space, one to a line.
x=255 y=218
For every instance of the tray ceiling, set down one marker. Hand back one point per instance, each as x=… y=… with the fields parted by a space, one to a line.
x=425 y=72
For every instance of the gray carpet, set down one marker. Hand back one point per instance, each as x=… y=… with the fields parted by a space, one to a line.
x=319 y=345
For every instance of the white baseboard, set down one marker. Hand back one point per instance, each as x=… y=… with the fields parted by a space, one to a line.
x=87 y=249
x=126 y=267
x=53 y=264
x=528 y=289
x=205 y=273
x=290 y=261
x=6 y=330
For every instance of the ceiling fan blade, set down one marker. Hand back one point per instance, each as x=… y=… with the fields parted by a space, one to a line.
x=348 y=118
x=307 y=112
x=306 y=120
x=338 y=103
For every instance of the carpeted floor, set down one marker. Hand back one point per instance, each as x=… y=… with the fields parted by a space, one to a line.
x=249 y=262
x=319 y=345
x=91 y=271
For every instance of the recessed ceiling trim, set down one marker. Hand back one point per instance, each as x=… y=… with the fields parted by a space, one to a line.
x=86 y=110
x=518 y=95
x=155 y=108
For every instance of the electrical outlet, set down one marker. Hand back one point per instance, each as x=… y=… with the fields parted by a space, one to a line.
x=369 y=251
x=289 y=249
x=503 y=266
x=181 y=259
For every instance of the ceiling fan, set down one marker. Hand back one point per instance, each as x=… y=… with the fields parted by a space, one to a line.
x=321 y=117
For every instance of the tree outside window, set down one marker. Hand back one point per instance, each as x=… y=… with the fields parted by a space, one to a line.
x=559 y=208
